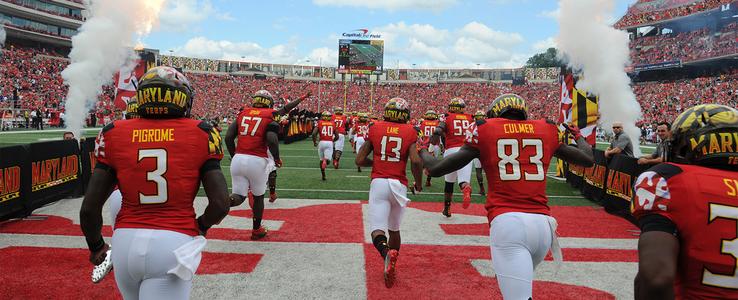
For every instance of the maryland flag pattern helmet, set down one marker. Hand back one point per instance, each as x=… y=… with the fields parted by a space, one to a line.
x=457 y=105
x=363 y=117
x=706 y=134
x=262 y=99
x=508 y=103
x=326 y=115
x=397 y=110
x=132 y=108
x=430 y=115
x=338 y=110
x=164 y=92
x=479 y=115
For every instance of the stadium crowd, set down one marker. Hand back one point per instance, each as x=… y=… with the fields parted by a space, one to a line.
x=685 y=46
x=33 y=78
x=649 y=11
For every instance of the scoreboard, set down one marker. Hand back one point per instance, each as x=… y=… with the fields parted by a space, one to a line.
x=360 y=56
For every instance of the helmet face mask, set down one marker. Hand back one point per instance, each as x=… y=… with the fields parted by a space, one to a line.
x=397 y=110
x=705 y=135
x=479 y=115
x=510 y=106
x=325 y=116
x=164 y=92
x=431 y=115
x=363 y=117
x=262 y=99
x=457 y=105
x=338 y=110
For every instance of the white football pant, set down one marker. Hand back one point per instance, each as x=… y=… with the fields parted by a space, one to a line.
x=142 y=260
x=460 y=175
x=339 y=142
x=325 y=150
x=249 y=172
x=519 y=242
x=387 y=202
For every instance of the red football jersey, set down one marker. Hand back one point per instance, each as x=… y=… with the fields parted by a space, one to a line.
x=353 y=121
x=515 y=156
x=252 y=128
x=456 y=125
x=361 y=130
x=326 y=130
x=427 y=127
x=157 y=164
x=703 y=204
x=341 y=124
x=391 y=143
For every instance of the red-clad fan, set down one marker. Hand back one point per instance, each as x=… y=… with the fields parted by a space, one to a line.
x=427 y=128
x=257 y=132
x=515 y=153
x=342 y=125
x=360 y=131
x=158 y=161
x=687 y=209
x=453 y=129
x=393 y=142
x=325 y=131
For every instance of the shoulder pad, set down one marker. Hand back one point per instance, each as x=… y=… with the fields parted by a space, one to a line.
x=666 y=170
x=205 y=126
x=108 y=127
x=480 y=122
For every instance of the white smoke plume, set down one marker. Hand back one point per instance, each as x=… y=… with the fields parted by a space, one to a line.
x=102 y=46
x=600 y=53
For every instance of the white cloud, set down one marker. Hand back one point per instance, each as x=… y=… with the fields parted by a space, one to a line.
x=390 y=5
x=428 y=46
x=551 y=14
x=543 y=45
x=182 y=15
x=323 y=56
x=226 y=16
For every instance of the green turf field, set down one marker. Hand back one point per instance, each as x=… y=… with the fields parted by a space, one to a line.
x=300 y=176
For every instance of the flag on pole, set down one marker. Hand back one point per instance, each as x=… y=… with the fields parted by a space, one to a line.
x=126 y=83
x=579 y=109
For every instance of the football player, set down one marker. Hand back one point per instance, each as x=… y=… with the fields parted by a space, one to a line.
x=257 y=134
x=515 y=153
x=453 y=128
x=352 y=135
x=326 y=130
x=341 y=128
x=360 y=131
x=478 y=116
x=427 y=128
x=687 y=209
x=114 y=203
x=392 y=141
x=158 y=162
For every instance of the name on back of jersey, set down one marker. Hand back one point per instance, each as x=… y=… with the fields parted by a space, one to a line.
x=518 y=128
x=152 y=135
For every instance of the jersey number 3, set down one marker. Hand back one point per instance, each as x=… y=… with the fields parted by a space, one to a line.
x=511 y=159
x=729 y=247
x=156 y=176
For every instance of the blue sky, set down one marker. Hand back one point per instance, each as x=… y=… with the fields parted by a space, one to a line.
x=428 y=33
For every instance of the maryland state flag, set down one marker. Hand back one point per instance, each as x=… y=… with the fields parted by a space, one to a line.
x=579 y=109
x=126 y=81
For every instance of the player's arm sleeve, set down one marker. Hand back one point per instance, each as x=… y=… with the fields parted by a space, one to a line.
x=102 y=144
x=651 y=199
x=273 y=127
x=214 y=149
